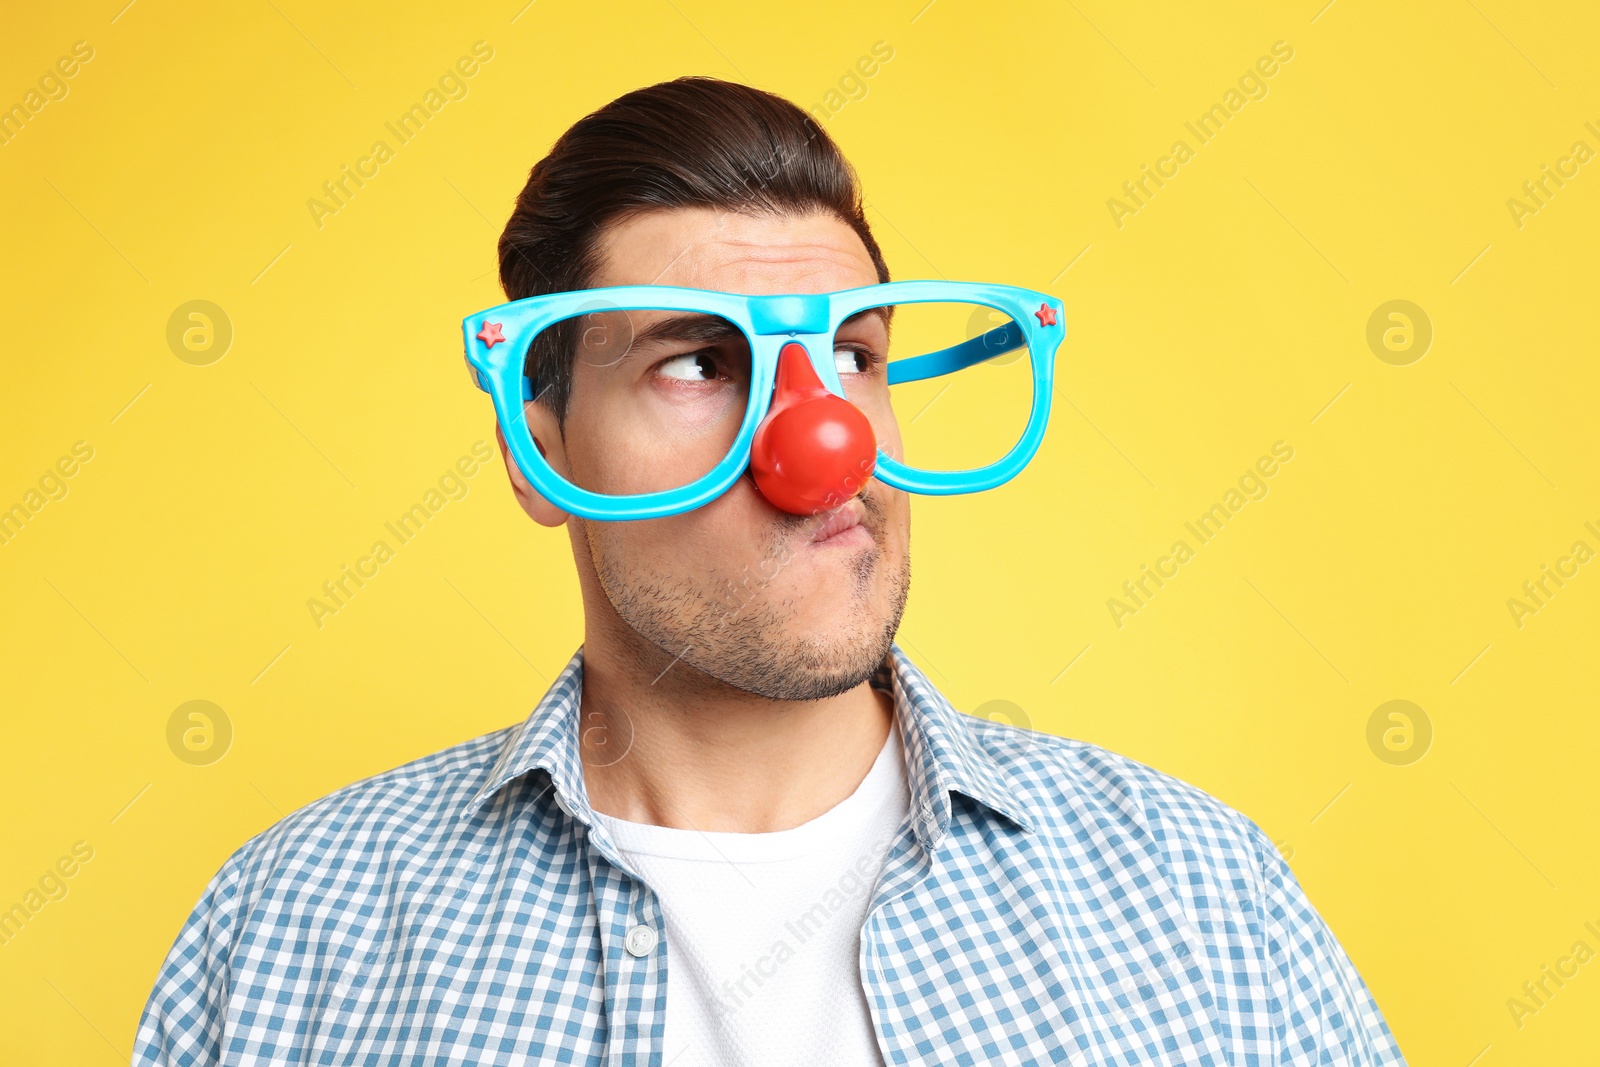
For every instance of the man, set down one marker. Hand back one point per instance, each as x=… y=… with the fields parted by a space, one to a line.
x=742 y=827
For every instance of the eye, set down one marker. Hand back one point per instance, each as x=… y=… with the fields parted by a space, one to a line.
x=689 y=367
x=853 y=360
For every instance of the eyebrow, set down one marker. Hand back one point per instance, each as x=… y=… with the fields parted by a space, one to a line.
x=693 y=327
x=883 y=311
x=699 y=328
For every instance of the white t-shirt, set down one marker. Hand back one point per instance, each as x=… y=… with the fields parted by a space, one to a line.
x=763 y=931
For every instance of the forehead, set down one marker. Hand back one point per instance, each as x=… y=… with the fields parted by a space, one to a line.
x=703 y=248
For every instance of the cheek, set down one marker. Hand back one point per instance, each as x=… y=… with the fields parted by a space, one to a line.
x=887 y=430
x=898 y=526
x=698 y=420
x=725 y=553
x=640 y=554
x=879 y=411
x=610 y=447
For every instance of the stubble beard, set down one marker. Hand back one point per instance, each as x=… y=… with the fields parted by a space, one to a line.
x=731 y=630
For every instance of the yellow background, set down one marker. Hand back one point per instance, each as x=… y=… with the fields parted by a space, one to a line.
x=1228 y=313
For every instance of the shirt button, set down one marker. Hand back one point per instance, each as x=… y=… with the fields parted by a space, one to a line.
x=561 y=802
x=640 y=940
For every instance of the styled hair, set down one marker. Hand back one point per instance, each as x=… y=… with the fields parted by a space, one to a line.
x=690 y=142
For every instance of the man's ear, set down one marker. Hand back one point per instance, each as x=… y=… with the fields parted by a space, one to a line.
x=542 y=425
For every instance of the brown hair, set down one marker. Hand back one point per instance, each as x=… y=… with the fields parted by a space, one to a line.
x=691 y=142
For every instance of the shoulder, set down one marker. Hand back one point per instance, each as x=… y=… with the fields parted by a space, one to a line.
x=399 y=817
x=1078 y=793
x=317 y=889
x=1122 y=839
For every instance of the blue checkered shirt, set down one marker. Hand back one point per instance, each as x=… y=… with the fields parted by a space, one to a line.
x=1047 y=901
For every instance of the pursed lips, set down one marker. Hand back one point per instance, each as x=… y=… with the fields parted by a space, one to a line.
x=839 y=520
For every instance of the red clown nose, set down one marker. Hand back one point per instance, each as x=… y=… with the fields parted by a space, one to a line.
x=814 y=450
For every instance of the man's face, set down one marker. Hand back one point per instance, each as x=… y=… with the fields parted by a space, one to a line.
x=736 y=589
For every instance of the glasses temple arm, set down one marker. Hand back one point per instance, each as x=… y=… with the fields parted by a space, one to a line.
x=483 y=383
x=996 y=342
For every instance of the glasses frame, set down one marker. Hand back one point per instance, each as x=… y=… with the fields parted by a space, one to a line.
x=768 y=322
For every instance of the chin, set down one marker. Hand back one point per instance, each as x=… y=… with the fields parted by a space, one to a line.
x=800 y=643
x=824 y=664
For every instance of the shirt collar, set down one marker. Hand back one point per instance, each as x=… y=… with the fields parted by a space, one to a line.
x=941 y=746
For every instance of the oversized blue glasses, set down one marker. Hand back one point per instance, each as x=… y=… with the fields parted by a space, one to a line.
x=933 y=387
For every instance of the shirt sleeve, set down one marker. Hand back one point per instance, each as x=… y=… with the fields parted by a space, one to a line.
x=183 y=1020
x=1323 y=1012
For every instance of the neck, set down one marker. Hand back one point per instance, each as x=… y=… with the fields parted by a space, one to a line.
x=666 y=743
